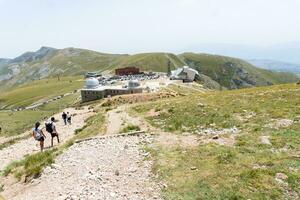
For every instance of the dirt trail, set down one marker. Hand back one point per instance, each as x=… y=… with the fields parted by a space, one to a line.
x=118 y=119
x=9 y=138
x=112 y=168
x=109 y=168
x=28 y=146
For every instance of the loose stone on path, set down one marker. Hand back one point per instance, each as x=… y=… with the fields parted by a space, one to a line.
x=103 y=169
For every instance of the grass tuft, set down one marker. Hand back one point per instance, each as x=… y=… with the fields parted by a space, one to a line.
x=130 y=128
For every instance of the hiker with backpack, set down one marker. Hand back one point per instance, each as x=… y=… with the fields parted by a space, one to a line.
x=51 y=128
x=64 y=116
x=69 y=118
x=38 y=135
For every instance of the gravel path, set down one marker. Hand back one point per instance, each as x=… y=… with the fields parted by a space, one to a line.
x=9 y=138
x=112 y=168
x=118 y=119
x=28 y=146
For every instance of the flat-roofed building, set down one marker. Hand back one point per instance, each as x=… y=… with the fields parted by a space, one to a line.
x=93 y=75
x=127 y=71
x=92 y=91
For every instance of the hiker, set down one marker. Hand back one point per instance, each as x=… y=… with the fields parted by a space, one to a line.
x=64 y=116
x=69 y=118
x=51 y=128
x=38 y=135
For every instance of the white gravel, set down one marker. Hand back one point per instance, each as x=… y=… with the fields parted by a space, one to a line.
x=114 y=168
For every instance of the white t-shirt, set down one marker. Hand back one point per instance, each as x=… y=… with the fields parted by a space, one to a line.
x=53 y=127
x=37 y=133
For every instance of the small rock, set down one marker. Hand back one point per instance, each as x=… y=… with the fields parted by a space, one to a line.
x=200 y=105
x=193 y=168
x=112 y=194
x=265 y=140
x=297 y=119
x=117 y=173
x=133 y=170
x=281 y=176
x=55 y=166
x=146 y=154
x=215 y=137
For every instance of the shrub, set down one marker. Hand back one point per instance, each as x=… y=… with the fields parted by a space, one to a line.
x=130 y=128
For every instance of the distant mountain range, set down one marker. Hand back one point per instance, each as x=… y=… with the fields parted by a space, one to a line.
x=285 y=52
x=216 y=71
x=276 y=65
x=4 y=61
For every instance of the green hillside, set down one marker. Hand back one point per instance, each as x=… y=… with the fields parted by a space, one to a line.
x=64 y=62
x=237 y=163
x=216 y=71
x=15 y=123
x=234 y=73
x=157 y=62
x=73 y=61
x=35 y=91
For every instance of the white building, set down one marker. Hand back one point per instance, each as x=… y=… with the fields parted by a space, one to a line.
x=185 y=73
x=93 y=90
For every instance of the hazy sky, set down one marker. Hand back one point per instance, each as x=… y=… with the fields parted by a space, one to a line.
x=129 y=26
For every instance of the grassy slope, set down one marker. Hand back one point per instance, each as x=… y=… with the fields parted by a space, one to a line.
x=219 y=69
x=157 y=62
x=225 y=172
x=15 y=123
x=66 y=62
x=37 y=90
x=78 y=61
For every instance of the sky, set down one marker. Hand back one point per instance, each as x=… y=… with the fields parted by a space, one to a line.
x=132 y=26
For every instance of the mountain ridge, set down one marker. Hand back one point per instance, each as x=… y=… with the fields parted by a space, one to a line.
x=228 y=72
x=284 y=52
x=276 y=65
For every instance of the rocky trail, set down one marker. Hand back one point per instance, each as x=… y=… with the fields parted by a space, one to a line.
x=28 y=146
x=112 y=167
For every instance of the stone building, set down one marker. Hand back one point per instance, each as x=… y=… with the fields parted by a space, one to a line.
x=94 y=91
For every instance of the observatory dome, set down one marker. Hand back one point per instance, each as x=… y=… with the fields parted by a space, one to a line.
x=133 y=83
x=91 y=83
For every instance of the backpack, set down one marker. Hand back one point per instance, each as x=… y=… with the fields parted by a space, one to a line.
x=64 y=116
x=49 y=128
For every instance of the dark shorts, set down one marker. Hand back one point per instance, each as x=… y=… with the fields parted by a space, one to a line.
x=41 y=139
x=54 y=134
